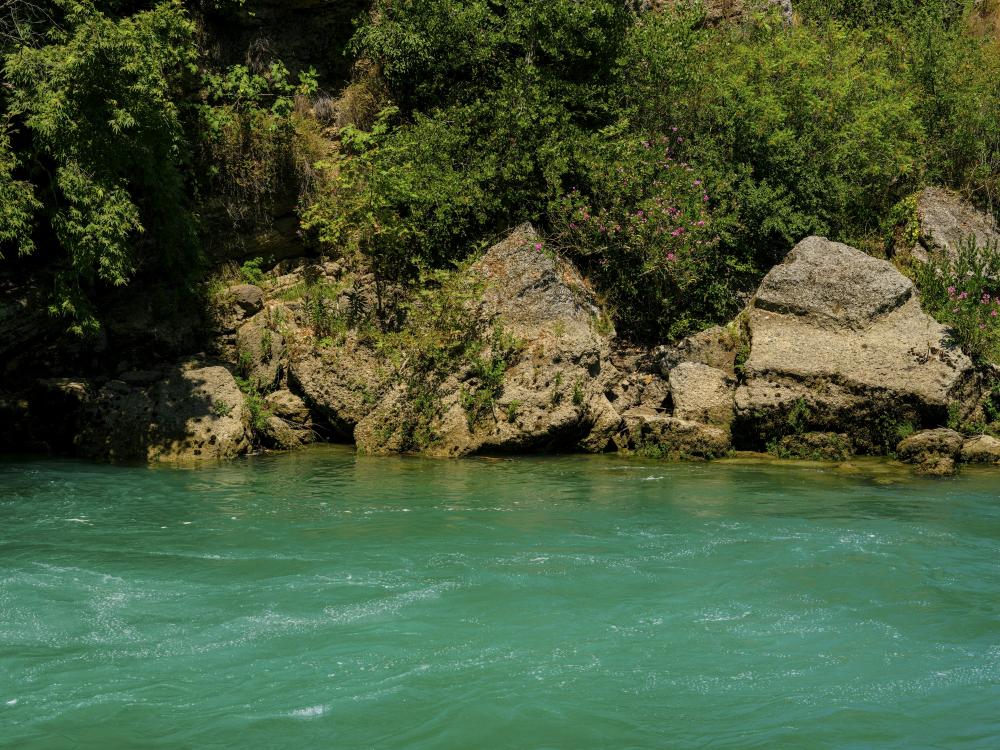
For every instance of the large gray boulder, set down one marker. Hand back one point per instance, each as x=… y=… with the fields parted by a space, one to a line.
x=194 y=412
x=945 y=220
x=839 y=343
x=832 y=286
x=553 y=387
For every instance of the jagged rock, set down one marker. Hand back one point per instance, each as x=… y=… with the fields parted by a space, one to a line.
x=260 y=351
x=553 y=390
x=981 y=449
x=277 y=433
x=838 y=340
x=945 y=219
x=640 y=384
x=815 y=446
x=933 y=451
x=702 y=394
x=249 y=299
x=716 y=347
x=288 y=406
x=661 y=436
x=340 y=384
x=289 y=424
x=194 y=413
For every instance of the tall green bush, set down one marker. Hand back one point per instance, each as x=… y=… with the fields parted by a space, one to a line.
x=92 y=114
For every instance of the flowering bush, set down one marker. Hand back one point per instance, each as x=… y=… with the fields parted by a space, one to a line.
x=964 y=292
x=644 y=232
x=976 y=321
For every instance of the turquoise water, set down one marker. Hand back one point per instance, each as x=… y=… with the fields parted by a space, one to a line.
x=319 y=600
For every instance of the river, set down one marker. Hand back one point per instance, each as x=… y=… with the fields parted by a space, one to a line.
x=324 y=600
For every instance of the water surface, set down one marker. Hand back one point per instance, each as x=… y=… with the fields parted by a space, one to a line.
x=320 y=600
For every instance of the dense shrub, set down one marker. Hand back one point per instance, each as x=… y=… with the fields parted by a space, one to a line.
x=92 y=113
x=796 y=132
x=808 y=133
x=468 y=117
x=643 y=231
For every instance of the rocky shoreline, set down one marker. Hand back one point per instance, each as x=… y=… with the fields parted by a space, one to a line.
x=832 y=357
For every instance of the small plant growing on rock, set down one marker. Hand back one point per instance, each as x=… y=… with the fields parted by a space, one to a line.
x=221 y=409
x=512 y=410
x=265 y=344
x=257 y=414
x=251 y=272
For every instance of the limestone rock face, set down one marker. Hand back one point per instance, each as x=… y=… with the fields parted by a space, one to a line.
x=661 y=436
x=287 y=406
x=290 y=423
x=716 y=347
x=981 y=449
x=340 y=384
x=933 y=451
x=838 y=340
x=553 y=390
x=194 y=413
x=260 y=351
x=702 y=394
x=946 y=219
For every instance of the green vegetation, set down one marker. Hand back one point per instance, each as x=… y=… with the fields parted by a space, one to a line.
x=672 y=160
x=251 y=272
x=964 y=291
x=221 y=409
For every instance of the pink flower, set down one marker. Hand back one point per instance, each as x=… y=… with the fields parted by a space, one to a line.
x=705 y=198
x=677 y=232
x=963 y=295
x=697 y=183
x=951 y=290
x=538 y=246
x=670 y=256
x=993 y=314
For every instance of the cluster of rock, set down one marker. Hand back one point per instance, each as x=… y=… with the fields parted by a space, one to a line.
x=832 y=356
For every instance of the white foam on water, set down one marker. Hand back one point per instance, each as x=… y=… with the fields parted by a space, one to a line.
x=311 y=712
x=12 y=702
